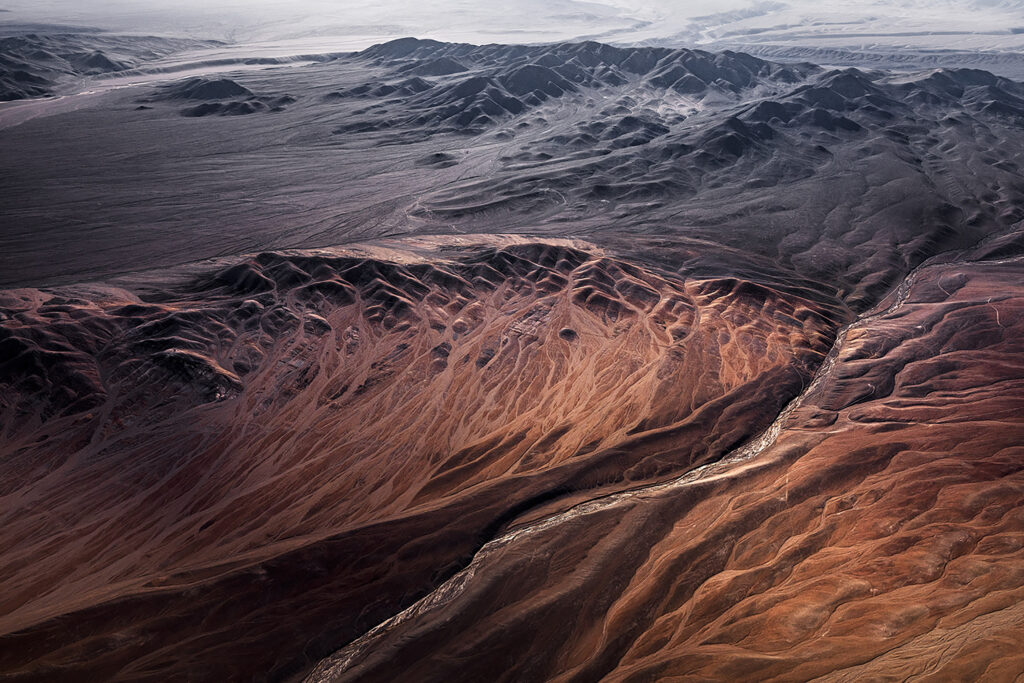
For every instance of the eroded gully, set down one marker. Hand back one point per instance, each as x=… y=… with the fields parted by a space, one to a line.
x=340 y=662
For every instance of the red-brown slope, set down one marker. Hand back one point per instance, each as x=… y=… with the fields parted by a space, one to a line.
x=236 y=476
x=880 y=537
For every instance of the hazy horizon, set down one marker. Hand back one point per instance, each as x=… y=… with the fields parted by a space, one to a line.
x=978 y=24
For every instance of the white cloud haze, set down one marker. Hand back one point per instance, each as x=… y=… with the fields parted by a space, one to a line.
x=964 y=23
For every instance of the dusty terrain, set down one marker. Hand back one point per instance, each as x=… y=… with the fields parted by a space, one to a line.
x=302 y=400
x=877 y=538
x=36 y=65
x=440 y=361
x=843 y=176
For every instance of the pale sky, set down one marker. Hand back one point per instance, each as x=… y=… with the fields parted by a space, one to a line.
x=847 y=22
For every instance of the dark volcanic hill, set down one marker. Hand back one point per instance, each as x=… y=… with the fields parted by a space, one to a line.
x=479 y=86
x=516 y=363
x=218 y=97
x=204 y=89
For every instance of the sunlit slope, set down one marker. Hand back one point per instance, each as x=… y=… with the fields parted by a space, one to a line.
x=183 y=436
x=880 y=537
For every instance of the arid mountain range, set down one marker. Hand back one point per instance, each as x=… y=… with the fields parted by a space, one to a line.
x=436 y=361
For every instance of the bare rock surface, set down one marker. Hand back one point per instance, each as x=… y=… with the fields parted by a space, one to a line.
x=511 y=362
